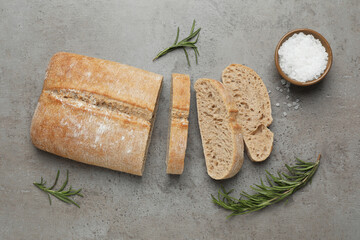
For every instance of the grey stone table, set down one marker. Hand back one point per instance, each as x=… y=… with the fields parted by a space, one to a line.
x=158 y=206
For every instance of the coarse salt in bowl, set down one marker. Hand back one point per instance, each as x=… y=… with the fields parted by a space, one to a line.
x=303 y=57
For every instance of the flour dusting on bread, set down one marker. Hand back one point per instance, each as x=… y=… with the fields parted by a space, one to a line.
x=97 y=112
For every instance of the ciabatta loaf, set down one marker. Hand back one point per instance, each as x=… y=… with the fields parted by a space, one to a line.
x=220 y=132
x=179 y=112
x=253 y=102
x=96 y=112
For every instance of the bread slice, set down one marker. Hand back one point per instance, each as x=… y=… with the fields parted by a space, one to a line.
x=178 y=123
x=96 y=112
x=220 y=132
x=253 y=102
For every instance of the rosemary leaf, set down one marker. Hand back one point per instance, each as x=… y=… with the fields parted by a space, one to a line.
x=280 y=188
x=183 y=44
x=60 y=194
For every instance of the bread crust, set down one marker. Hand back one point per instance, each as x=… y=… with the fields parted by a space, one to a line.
x=178 y=131
x=111 y=79
x=236 y=135
x=181 y=92
x=92 y=133
x=253 y=102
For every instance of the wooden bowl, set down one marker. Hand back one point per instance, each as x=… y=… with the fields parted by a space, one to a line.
x=323 y=42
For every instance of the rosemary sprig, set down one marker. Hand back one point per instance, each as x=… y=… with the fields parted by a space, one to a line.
x=185 y=43
x=60 y=194
x=281 y=186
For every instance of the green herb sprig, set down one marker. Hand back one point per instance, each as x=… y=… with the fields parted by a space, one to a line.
x=60 y=194
x=185 y=43
x=281 y=186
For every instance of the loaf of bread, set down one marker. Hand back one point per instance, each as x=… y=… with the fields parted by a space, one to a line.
x=96 y=112
x=178 y=123
x=220 y=132
x=253 y=102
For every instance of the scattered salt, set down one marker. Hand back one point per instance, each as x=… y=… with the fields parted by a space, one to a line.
x=297 y=100
x=302 y=57
x=289 y=105
x=281 y=90
x=288 y=90
x=278 y=88
x=284 y=114
x=287 y=97
x=294 y=103
x=269 y=91
x=283 y=82
x=296 y=107
x=277 y=104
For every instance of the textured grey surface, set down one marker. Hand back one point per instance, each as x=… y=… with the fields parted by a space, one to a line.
x=157 y=206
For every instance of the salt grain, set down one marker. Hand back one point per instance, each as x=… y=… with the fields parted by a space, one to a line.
x=283 y=82
x=289 y=105
x=302 y=57
x=277 y=104
x=296 y=107
x=284 y=114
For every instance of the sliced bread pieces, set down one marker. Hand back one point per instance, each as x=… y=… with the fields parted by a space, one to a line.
x=96 y=112
x=253 y=102
x=178 y=123
x=220 y=132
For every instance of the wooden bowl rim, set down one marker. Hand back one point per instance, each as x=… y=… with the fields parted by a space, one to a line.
x=316 y=35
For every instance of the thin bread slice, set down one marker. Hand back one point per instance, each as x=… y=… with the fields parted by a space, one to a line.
x=253 y=102
x=220 y=132
x=97 y=112
x=178 y=123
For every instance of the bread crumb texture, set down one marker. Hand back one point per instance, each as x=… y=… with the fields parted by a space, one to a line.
x=253 y=102
x=218 y=129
